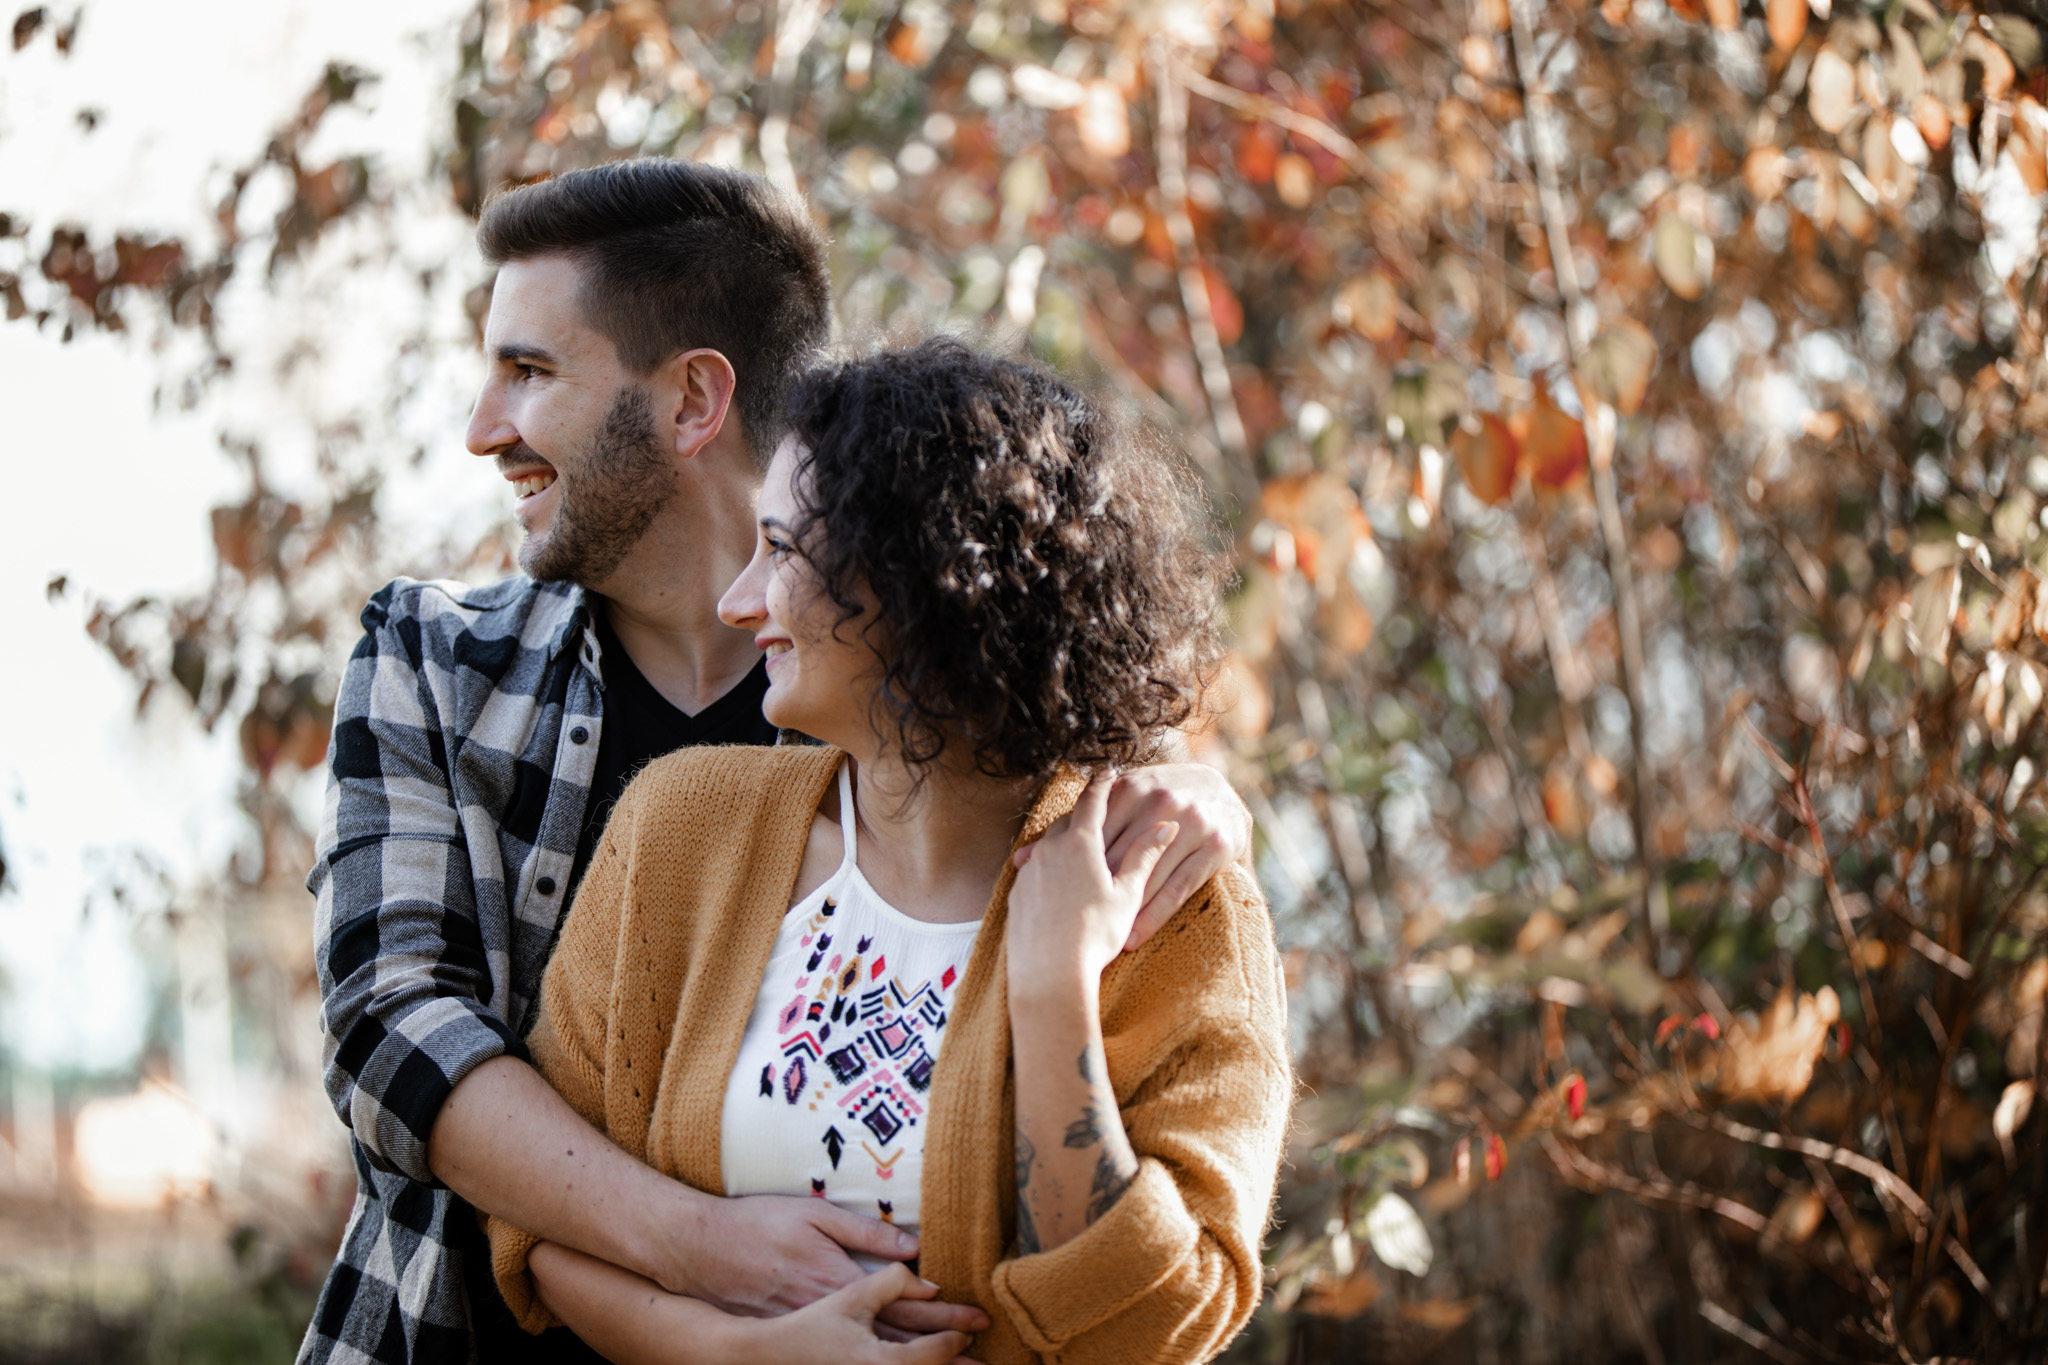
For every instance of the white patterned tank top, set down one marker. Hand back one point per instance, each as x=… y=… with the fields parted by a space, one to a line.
x=831 y=1089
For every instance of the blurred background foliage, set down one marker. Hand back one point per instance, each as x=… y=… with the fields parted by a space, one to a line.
x=1627 y=417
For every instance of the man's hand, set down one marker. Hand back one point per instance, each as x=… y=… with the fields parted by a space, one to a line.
x=1214 y=831
x=770 y=1254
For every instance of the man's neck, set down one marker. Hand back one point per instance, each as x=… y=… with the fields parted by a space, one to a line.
x=662 y=602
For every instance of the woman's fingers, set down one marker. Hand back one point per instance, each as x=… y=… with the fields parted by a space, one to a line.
x=1088 y=812
x=932 y=1315
x=870 y=1294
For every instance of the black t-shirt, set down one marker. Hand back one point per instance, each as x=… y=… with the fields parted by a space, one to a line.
x=640 y=725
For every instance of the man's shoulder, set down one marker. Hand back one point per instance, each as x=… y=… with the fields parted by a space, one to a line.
x=482 y=627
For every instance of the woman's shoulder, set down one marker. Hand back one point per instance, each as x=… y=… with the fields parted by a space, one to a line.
x=1212 y=963
x=731 y=784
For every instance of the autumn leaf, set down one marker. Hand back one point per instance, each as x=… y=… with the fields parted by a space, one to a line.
x=1575 y=1095
x=1496 y=1156
x=1684 y=256
x=1786 y=21
x=1556 y=444
x=1619 y=364
x=1224 y=309
x=1371 y=304
x=1488 y=455
x=1258 y=153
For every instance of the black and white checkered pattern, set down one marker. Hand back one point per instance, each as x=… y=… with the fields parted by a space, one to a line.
x=465 y=739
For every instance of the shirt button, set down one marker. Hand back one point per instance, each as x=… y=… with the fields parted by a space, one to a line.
x=546 y=886
x=579 y=735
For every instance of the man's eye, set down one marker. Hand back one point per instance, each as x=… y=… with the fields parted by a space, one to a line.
x=526 y=371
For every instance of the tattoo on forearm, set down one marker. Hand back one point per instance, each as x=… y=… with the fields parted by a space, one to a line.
x=1112 y=1177
x=1085 y=1131
x=1091 y=1069
x=1027 y=1231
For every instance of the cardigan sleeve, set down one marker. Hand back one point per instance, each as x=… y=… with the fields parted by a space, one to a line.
x=1172 y=1270
x=568 y=1040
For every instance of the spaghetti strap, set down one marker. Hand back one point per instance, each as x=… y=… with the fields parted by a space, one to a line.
x=846 y=814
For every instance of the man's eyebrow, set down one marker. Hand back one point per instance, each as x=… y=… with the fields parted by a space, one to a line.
x=519 y=352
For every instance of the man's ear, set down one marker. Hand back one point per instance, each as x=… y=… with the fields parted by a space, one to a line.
x=700 y=393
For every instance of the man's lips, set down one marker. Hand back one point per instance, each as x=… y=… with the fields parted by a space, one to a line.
x=528 y=477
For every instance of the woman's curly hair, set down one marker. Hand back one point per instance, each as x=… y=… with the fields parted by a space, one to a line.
x=1047 y=583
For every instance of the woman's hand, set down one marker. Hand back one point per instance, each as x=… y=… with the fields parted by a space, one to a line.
x=841 y=1328
x=1069 y=914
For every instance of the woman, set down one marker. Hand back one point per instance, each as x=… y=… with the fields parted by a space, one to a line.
x=786 y=971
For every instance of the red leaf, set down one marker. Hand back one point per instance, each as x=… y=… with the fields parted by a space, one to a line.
x=1224 y=308
x=1575 y=1095
x=1708 y=1024
x=1556 y=445
x=1670 y=1024
x=1496 y=1156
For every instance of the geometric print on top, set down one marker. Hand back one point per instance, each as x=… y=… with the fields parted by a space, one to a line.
x=829 y=1094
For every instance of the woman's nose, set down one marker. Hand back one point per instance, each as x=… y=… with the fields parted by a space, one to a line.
x=745 y=603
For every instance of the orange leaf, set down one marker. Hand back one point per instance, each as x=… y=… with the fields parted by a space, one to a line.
x=1670 y=1024
x=1371 y=304
x=1487 y=452
x=1496 y=1156
x=1224 y=308
x=1786 y=20
x=1258 y=152
x=1556 y=446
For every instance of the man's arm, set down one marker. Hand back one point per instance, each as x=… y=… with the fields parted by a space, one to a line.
x=404 y=971
x=509 y=1144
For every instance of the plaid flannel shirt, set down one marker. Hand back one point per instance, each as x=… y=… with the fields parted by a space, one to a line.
x=465 y=739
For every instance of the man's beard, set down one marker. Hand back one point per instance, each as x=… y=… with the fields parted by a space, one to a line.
x=621 y=483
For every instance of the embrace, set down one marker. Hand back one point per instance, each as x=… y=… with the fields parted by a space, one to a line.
x=774 y=927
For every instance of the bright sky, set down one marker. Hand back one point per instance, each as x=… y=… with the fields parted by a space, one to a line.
x=116 y=495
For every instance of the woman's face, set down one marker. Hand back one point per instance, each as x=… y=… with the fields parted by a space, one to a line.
x=821 y=673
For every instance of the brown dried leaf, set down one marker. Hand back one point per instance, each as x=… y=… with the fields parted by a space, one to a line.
x=1619 y=364
x=1772 y=1060
x=1684 y=256
x=1488 y=455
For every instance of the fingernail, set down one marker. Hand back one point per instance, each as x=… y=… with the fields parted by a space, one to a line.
x=927 y=1283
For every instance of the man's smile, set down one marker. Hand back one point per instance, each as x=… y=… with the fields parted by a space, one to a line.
x=530 y=485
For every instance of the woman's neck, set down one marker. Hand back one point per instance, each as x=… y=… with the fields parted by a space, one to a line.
x=934 y=851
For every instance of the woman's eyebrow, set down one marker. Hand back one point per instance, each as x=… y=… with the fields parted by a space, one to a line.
x=773 y=523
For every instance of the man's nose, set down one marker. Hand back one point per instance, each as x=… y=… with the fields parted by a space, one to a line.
x=490 y=429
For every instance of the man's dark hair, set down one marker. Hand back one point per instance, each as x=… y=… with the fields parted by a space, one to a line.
x=1046 y=584
x=676 y=255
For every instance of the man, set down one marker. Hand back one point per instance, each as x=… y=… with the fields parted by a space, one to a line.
x=646 y=321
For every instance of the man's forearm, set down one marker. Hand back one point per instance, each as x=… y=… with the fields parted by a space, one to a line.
x=507 y=1143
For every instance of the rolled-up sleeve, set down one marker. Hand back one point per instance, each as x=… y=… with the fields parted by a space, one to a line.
x=1171 y=1271
x=405 y=982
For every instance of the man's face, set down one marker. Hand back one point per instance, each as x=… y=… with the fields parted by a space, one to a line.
x=568 y=426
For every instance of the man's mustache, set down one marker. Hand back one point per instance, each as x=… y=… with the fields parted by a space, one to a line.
x=521 y=456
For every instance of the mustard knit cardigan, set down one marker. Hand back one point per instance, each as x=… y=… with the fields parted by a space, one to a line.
x=650 y=989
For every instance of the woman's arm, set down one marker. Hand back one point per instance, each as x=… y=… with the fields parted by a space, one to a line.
x=1140 y=1240
x=1069 y=917
x=634 y=1321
